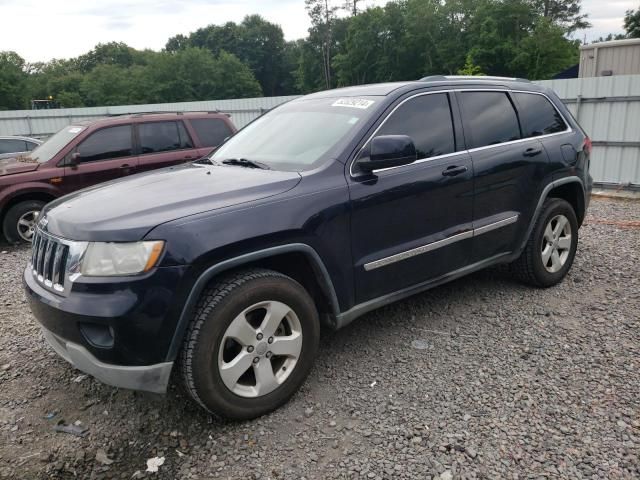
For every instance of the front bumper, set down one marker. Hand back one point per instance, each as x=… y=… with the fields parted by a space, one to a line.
x=117 y=330
x=152 y=378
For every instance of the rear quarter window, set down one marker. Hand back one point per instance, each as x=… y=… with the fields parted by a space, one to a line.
x=211 y=131
x=538 y=116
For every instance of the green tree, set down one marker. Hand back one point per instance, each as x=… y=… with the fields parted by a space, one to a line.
x=256 y=42
x=13 y=80
x=470 y=68
x=564 y=13
x=632 y=23
x=545 y=52
x=323 y=16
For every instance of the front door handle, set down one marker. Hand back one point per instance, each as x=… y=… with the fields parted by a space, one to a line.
x=454 y=170
x=126 y=168
x=532 y=152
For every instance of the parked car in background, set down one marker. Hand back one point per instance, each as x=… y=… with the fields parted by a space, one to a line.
x=14 y=145
x=323 y=209
x=85 y=154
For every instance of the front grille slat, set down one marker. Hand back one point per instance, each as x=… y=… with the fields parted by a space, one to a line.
x=57 y=260
x=34 y=250
x=48 y=257
x=41 y=252
x=49 y=260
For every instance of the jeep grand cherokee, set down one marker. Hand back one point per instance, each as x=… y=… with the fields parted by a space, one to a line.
x=323 y=209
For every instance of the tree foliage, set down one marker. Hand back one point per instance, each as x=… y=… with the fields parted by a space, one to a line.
x=632 y=23
x=346 y=45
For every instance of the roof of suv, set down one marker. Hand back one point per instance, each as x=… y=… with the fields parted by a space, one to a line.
x=146 y=116
x=384 y=89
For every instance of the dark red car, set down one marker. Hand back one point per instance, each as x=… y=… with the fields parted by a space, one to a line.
x=85 y=154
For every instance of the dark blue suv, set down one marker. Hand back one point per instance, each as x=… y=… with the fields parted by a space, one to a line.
x=323 y=209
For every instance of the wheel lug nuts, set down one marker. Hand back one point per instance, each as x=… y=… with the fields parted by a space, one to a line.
x=268 y=354
x=270 y=340
x=256 y=360
x=259 y=336
x=249 y=349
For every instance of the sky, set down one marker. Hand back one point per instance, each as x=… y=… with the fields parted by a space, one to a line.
x=39 y=30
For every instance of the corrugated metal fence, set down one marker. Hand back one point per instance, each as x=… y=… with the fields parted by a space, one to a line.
x=42 y=123
x=608 y=108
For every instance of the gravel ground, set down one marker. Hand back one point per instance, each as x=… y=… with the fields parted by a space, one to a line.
x=481 y=378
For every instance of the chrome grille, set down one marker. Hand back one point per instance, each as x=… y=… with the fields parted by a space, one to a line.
x=49 y=258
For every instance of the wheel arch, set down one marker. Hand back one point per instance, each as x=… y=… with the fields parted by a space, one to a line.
x=299 y=261
x=45 y=196
x=570 y=189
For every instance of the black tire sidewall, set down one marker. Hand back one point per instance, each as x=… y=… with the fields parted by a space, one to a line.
x=552 y=209
x=10 y=221
x=210 y=388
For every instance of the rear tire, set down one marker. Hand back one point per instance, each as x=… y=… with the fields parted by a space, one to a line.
x=551 y=248
x=20 y=221
x=250 y=344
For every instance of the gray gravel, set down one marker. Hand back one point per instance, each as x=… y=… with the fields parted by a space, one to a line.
x=481 y=378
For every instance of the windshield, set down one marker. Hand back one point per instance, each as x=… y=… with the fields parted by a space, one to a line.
x=53 y=145
x=299 y=135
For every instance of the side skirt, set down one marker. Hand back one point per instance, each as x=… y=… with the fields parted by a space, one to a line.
x=350 y=315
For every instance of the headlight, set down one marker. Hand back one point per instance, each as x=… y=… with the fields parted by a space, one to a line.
x=109 y=259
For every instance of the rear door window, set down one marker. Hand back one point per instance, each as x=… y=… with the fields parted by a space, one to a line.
x=160 y=137
x=427 y=120
x=538 y=115
x=491 y=117
x=211 y=131
x=108 y=143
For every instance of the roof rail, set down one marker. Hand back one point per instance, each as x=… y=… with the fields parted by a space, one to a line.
x=442 y=78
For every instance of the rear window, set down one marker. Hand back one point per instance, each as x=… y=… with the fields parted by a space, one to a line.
x=491 y=116
x=162 y=137
x=211 y=131
x=538 y=115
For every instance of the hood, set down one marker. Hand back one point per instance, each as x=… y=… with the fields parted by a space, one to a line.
x=125 y=210
x=12 y=165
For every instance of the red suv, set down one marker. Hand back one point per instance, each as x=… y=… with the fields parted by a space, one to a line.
x=85 y=154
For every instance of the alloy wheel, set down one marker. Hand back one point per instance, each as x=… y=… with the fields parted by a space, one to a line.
x=556 y=243
x=260 y=349
x=27 y=225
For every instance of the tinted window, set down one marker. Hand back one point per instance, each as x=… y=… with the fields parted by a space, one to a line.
x=538 y=115
x=211 y=131
x=185 y=138
x=162 y=137
x=12 y=146
x=427 y=120
x=113 y=142
x=31 y=145
x=491 y=117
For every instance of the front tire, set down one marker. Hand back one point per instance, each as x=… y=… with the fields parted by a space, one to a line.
x=552 y=246
x=250 y=345
x=20 y=221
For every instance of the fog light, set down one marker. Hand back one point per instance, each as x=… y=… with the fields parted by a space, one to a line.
x=100 y=336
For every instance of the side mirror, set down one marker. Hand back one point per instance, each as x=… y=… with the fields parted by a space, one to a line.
x=74 y=160
x=389 y=151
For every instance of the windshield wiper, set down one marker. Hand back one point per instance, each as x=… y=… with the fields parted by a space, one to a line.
x=243 y=162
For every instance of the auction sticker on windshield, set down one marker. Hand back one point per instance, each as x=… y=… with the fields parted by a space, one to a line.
x=361 y=103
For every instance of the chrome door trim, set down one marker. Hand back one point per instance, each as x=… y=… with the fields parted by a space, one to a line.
x=429 y=247
x=495 y=225
x=467 y=151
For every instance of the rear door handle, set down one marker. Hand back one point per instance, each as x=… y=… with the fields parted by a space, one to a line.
x=126 y=166
x=188 y=157
x=454 y=170
x=532 y=152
